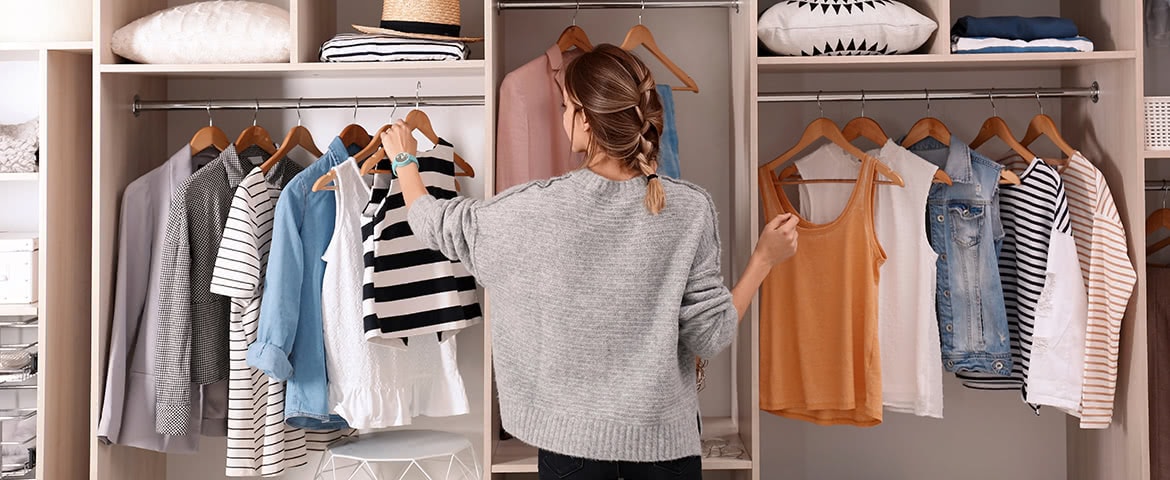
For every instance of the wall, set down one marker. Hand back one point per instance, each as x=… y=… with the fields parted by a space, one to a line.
x=21 y=91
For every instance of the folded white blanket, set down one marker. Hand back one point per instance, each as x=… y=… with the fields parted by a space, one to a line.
x=1004 y=45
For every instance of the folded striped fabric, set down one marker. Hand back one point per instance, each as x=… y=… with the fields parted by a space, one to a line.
x=1003 y=45
x=360 y=47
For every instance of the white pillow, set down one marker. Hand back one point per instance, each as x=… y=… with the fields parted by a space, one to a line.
x=208 y=32
x=843 y=27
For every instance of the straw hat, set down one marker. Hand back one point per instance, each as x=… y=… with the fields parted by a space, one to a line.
x=425 y=19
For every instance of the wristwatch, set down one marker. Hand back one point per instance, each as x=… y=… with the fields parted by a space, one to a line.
x=401 y=160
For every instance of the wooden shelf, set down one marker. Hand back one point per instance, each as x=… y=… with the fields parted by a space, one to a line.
x=75 y=46
x=1157 y=153
x=18 y=310
x=514 y=456
x=462 y=68
x=939 y=62
x=19 y=177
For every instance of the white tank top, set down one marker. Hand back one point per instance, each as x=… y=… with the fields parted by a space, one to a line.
x=371 y=385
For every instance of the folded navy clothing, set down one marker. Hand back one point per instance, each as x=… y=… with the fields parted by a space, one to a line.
x=1015 y=28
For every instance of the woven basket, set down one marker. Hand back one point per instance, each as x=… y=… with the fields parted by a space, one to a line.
x=1157 y=123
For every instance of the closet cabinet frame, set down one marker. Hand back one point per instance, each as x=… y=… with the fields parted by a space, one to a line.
x=1113 y=138
x=63 y=182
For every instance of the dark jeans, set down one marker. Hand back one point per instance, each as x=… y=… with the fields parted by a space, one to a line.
x=554 y=466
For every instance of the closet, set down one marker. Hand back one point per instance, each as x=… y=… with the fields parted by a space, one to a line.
x=45 y=73
x=725 y=134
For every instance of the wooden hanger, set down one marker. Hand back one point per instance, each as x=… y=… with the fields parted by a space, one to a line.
x=1043 y=125
x=298 y=136
x=210 y=136
x=824 y=128
x=869 y=129
x=930 y=127
x=640 y=35
x=255 y=135
x=996 y=127
x=574 y=36
x=354 y=134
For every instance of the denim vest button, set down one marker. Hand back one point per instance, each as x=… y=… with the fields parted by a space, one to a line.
x=950 y=328
x=947 y=293
x=998 y=365
x=943 y=257
x=939 y=218
x=950 y=363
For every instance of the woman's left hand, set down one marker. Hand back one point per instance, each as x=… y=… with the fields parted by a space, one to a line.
x=399 y=138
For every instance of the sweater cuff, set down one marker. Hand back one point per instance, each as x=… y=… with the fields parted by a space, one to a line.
x=270 y=359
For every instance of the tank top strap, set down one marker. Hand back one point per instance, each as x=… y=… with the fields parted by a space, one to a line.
x=771 y=200
x=866 y=202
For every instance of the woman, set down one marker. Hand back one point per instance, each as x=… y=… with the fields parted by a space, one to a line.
x=605 y=284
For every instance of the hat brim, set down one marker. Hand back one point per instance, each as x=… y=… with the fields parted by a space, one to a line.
x=423 y=36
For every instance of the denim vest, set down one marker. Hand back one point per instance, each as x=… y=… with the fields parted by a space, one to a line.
x=965 y=231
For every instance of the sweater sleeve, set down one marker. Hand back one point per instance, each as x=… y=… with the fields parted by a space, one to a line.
x=707 y=319
x=449 y=226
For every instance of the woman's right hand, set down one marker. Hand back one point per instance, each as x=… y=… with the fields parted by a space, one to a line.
x=777 y=240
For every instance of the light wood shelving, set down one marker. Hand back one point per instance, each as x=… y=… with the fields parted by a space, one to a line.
x=939 y=62
x=1156 y=154
x=18 y=310
x=462 y=68
x=19 y=177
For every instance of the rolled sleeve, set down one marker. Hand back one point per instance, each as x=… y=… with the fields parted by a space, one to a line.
x=280 y=307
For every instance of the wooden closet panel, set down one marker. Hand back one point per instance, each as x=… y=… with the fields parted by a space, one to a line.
x=65 y=237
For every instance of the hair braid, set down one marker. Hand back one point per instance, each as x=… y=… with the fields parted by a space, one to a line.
x=617 y=94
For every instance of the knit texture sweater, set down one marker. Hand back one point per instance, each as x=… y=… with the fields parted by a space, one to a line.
x=598 y=308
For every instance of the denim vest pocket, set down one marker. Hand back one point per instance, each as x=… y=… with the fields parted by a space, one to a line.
x=967 y=223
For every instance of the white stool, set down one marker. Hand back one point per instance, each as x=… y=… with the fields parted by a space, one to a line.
x=402 y=446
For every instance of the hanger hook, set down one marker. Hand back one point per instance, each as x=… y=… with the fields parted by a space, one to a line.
x=1163 y=194
x=299 y=100
x=575 y=12
x=927 y=92
x=256 y=112
x=210 y=121
x=992 y=100
x=355 y=107
x=641 y=11
x=821 y=108
x=1041 y=105
x=417 y=99
x=863 y=102
x=392 y=112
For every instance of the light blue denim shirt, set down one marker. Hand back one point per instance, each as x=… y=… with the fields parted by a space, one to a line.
x=290 y=344
x=965 y=232
x=668 y=163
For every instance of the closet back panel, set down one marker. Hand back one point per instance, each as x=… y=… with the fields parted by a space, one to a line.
x=904 y=446
x=697 y=40
x=1122 y=451
x=126 y=150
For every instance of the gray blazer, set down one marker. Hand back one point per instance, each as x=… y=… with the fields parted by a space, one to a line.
x=128 y=406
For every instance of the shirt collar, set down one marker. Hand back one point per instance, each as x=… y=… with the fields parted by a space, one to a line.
x=236 y=166
x=958 y=165
x=557 y=61
x=337 y=152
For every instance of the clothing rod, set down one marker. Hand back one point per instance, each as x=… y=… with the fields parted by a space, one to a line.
x=594 y=4
x=1092 y=92
x=1157 y=186
x=405 y=101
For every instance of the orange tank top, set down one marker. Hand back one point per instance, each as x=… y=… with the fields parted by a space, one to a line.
x=819 y=358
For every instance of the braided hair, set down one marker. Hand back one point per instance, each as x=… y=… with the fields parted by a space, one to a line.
x=616 y=93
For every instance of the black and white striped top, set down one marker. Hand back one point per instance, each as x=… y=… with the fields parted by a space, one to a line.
x=259 y=443
x=409 y=289
x=1030 y=212
x=360 y=47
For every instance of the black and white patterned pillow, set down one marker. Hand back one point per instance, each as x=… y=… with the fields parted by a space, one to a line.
x=843 y=27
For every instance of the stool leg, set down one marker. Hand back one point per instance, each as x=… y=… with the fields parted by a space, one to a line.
x=450 y=463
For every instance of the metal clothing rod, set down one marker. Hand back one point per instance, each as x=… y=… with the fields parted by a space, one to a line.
x=1160 y=186
x=1092 y=92
x=405 y=101
x=593 y=4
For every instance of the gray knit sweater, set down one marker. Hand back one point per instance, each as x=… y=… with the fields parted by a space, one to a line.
x=597 y=308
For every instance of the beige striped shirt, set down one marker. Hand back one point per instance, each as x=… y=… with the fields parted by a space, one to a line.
x=1109 y=279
